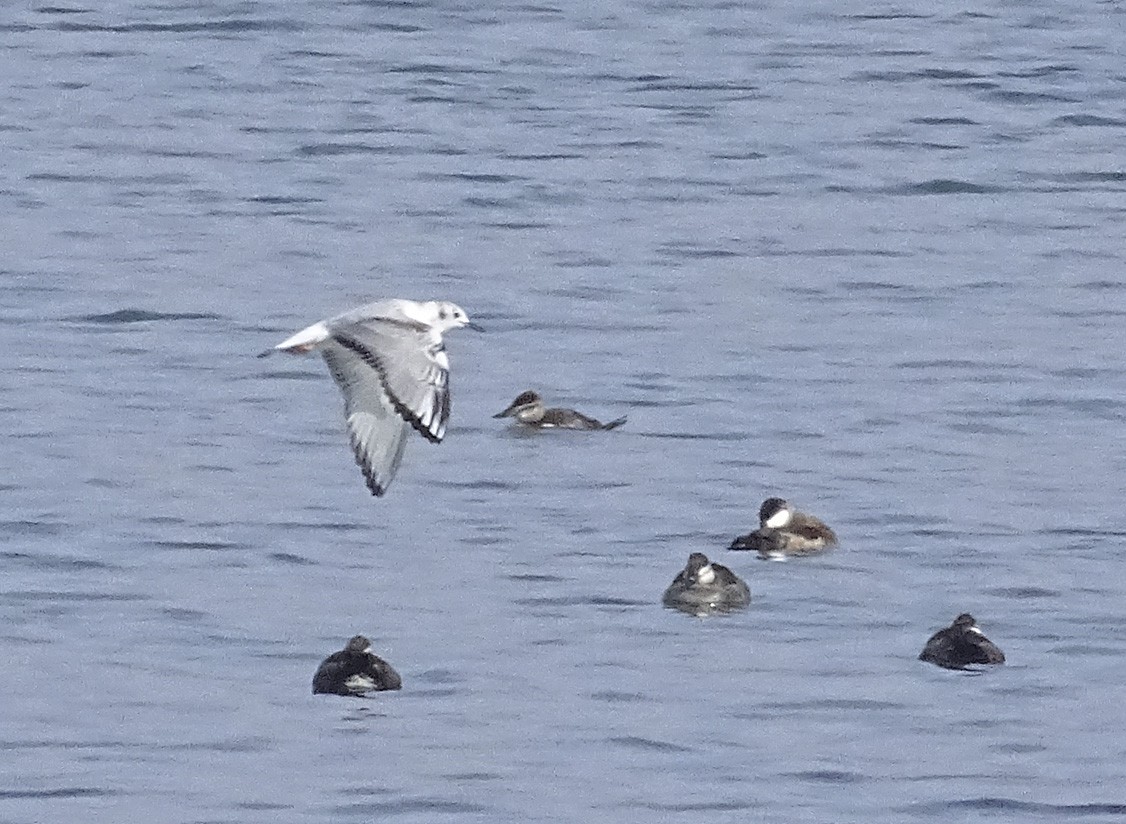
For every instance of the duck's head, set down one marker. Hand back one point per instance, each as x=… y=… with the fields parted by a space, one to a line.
x=775 y=513
x=358 y=643
x=699 y=568
x=527 y=404
x=966 y=623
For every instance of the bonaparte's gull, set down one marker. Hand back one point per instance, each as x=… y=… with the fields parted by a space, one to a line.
x=355 y=671
x=960 y=645
x=703 y=587
x=784 y=531
x=529 y=409
x=389 y=361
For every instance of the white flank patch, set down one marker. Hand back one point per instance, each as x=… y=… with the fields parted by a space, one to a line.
x=975 y=630
x=359 y=683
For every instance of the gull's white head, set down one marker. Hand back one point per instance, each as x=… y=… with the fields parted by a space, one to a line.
x=439 y=315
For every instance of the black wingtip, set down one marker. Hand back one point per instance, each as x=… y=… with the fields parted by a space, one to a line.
x=369 y=478
x=614 y=424
x=266 y=354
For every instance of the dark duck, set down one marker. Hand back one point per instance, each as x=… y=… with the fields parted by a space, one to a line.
x=355 y=671
x=960 y=645
x=529 y=409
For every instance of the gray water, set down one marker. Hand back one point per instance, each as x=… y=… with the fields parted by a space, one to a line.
x=865 y=258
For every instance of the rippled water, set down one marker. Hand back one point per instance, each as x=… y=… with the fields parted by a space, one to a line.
x=866 y=258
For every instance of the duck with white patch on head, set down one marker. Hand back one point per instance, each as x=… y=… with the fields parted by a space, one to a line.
x=703 y=587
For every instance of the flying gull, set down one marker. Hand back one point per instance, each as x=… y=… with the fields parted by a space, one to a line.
x=388 y=359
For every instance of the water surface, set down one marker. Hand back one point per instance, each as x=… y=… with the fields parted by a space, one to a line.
x=866 y=258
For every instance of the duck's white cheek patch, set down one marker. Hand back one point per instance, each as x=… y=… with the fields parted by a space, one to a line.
x=976 y=631
x=706 y=575
x=778 y=519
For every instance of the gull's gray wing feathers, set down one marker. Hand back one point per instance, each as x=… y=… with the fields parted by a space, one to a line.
x=377 y=431
x=412 y=368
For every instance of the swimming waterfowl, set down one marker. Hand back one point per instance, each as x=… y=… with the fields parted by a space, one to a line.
x=355 y=671
x=391 y=365
x=784 y=531
x=529 y=409
x=960 y=645
x=703 y=587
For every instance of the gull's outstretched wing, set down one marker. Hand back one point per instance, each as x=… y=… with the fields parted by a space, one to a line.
x=377 y=431
x=412 y=367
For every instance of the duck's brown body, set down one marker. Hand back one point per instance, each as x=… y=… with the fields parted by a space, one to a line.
x=529 y=409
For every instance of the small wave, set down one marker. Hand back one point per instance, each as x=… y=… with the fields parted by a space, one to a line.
x=61 y=792
x=944 y=121
x=635 y=742
x=141 y=315
x=282 y=200
x=290 y=558
x=618 y=697
x=535 y=578
x=337 y=149
x=182 y=28
x=1023 y=593
x=992 y=804
x=834 y=704
x=1023 y=98
x=579 y=601
x=236 y=744
x=28 y=527
x=829 y=776
x=378 y=810
x=703 y=806
x=696 y=436
x=51 y=561
x=445 y=677
x=58 y=595
x=213 y=546
x=945 y=186
x=1087 y=120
